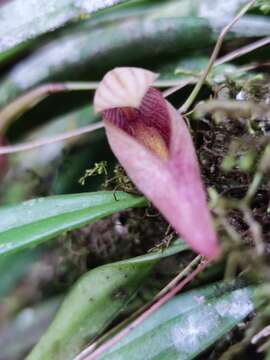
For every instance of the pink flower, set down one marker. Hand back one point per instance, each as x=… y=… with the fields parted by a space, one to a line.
x=153 y=144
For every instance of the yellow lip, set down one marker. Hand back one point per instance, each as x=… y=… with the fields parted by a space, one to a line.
x=151 y=138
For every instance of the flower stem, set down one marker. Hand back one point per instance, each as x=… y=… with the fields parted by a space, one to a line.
x=48 y=141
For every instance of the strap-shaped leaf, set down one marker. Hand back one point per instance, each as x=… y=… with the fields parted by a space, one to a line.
x=187 y=325
x=24 y=20
x=35 y=221
x=95 y=300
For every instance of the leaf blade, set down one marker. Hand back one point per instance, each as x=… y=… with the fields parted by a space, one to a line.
x=40 y=17
x=38 y=220
x=187 y=325
x=95 y=300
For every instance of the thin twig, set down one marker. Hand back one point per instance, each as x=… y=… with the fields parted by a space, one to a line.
x=81 y=85
x=243 y=51
x=264 y=347
x=25 y=102
x=38 y=143
x=230 y=230
x=265 y=332
x=254 y=66
x=184 y=108
x=253 y=188
x=181 y=84
x=31 y=98
x=195 y=262
x=255 y=228
x=93 y=85
x=165 y=297
x=258 y=177
x=226 y=58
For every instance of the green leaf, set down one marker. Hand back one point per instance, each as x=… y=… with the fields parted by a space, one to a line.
x=186 y=325
x=28 y=39
x=218 y=10
x=35 y=221
x=95 y=300
x=67 y=57
x=35 y=18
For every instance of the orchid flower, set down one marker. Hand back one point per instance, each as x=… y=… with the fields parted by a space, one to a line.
x=154 y=146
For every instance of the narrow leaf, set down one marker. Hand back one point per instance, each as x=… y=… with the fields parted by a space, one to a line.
x=67 y=57
x=35 y=18
x=95 y=300
x=35 y=221
x=186 y=325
